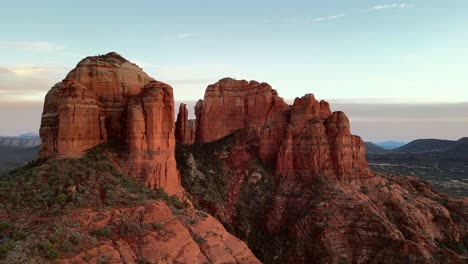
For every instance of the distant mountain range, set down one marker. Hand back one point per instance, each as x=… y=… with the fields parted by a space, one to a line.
x=444 y=163
x=27 y=140
x=444 y=149
x=390 y=144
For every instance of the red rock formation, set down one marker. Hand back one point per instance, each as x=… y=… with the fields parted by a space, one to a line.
x=325 y=204
x=230 y=105
x=151 y=141
x=185 y=128
x=304 y=140
x=112 y=79
x=108 y=98
x=71 y=121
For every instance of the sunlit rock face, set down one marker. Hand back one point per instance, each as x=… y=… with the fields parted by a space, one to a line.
x=304 y=139
x=107 y=98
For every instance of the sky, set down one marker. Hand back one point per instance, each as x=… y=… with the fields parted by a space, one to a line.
x=398 y=68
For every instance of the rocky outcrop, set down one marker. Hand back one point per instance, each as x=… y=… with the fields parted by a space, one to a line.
x=305 y=139
x=151 y=141
x=113 y=79
x=293 y=182
x=71 y=121
x=185 y=129
x=106 y=98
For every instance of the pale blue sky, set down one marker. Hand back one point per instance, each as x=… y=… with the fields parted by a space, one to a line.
x=357 y=51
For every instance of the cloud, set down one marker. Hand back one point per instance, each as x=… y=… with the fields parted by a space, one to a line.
x=187 y=35
x=23 y=70
x=28 y=82
x=389 y=6
x=4 y=70
x=31 y=46
x=322 y=19
x=314 y=20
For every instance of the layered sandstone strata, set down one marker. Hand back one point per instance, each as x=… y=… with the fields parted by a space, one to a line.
x=304 y=139
x=107 y=98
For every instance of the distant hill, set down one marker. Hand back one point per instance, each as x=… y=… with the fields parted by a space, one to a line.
x=390 y=144
x=425 y=145
x=11 y=158
x=27 y=140
x=372 y=148
x=29 y=135
x=457 y=150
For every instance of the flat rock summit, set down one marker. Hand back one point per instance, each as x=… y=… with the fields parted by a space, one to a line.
x=290 y=183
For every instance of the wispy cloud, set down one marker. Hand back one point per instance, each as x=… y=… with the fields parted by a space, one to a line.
x=322 y=19
x=28 y=82
x=388 y=6
x=315 y=19
x=187 y=35
x=4 y=70
x=32 y=45
x=23 y=70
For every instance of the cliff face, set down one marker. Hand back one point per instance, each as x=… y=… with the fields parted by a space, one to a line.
x=185 y=129
x=305 y=139
x=293 y=182
x=106 y=98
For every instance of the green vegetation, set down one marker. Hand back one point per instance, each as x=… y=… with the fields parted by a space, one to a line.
x=211 y=187
x=55 y=187
x=105 y=232
x=198 y=239
x=459 y=247
x=42 y=194
x=49 y=250
x=364 y=189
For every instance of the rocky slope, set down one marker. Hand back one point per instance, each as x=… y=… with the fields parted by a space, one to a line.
x=294 y=183
x=86 y=211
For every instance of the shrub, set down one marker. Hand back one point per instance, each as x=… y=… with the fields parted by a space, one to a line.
x=20 y=235
x=103 y=232
x=198 y=239
x=48 y=250
x=364 y=189
x=5 y=247
x=103 y=260
x=158 y=226
x=175 y=202
x=4 y=224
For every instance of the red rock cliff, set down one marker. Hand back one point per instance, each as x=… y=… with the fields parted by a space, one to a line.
x=185 y=128
x=108 y=98
x=303 y=140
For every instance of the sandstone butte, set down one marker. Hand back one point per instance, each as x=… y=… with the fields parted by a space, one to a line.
x=303 y=139
x=108 y=99
x=311 y=198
